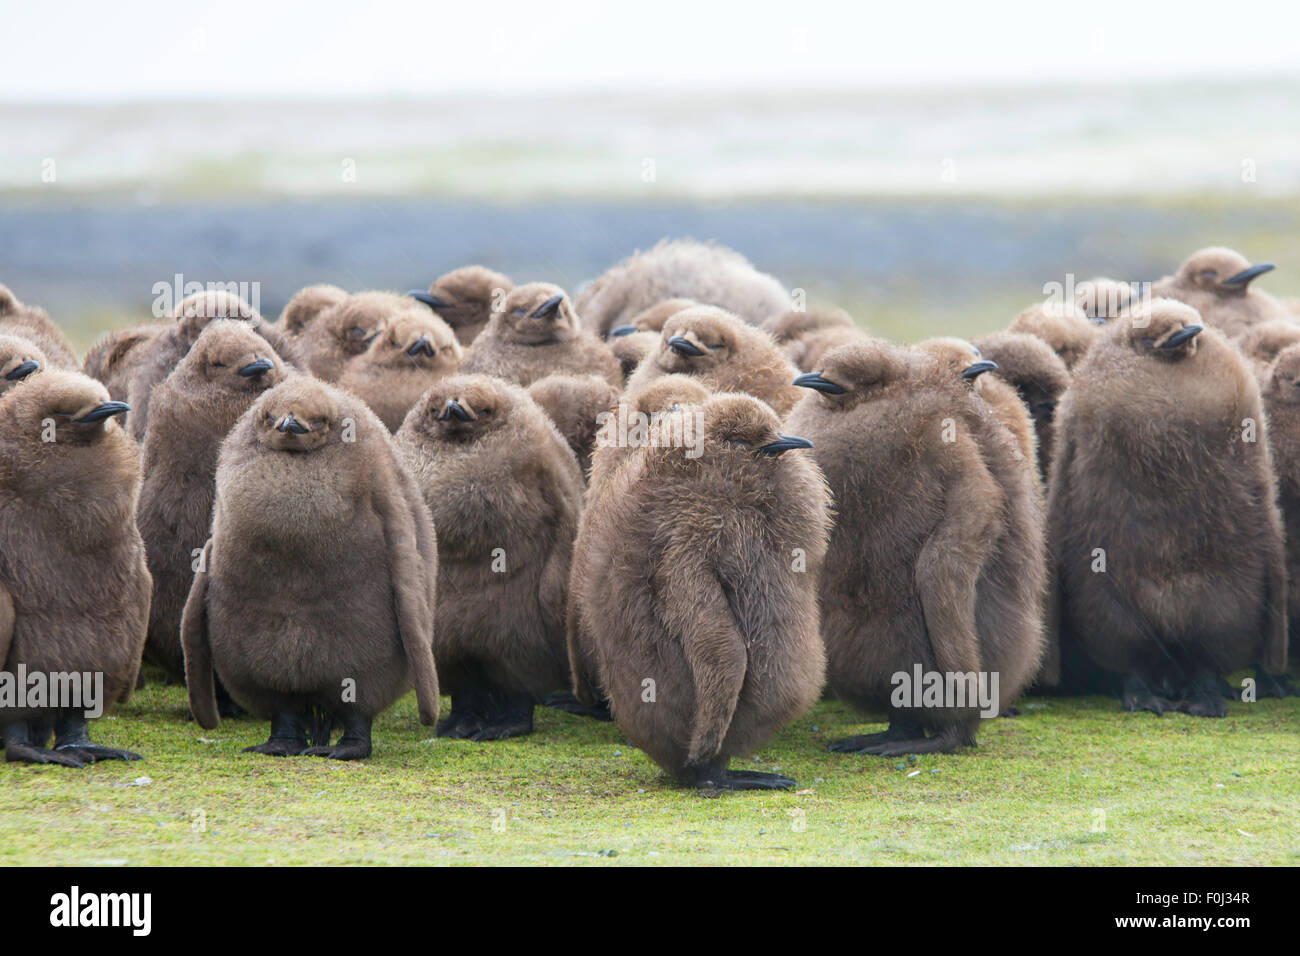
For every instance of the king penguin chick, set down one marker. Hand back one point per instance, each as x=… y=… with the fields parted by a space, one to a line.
x=307 y=305
x=1216 y=282
x=413 y=350
x=505 y=492
x=709 y=273
x=1038 y=375
x=806 y=336
x=937 y=563
x=536 y=333
x=1167 y=537
x=706 y=635
x=74 y=588
x=229 y=366
x=1262 y=343
x=345 y=330
x=465 y=299
x=115 y=356
x=19 y=358
x=631 y=343
x=574 y=404
x=725 y=354
x=1064 y=327
x=34 y=324
x=317 y=603
x=1103 y=299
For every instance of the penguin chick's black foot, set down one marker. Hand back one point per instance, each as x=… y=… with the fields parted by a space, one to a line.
x=899 y=729
x=570 y=704
x=1139 y=696
x=353 y=745
x=1201 y=698
x=22 y=746
x=288 y=737
x=715 y=776
x=488 y=715
x=1271 y=685
x=72 y=737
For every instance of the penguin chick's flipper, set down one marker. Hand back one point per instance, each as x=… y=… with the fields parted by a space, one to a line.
x=714 y=775
x=199 y=677
x=570 y=704
x=900 y=728
x=288 y=737
x=353 y=745
x=21 y=748
x=1201 y=697
x=1139 y=696
x=72 y=738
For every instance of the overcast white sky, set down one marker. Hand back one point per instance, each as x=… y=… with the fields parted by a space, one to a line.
x=332 y=48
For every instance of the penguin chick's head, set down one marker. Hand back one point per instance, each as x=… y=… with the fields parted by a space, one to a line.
x=19 y=359
x=465 y=295
x=1102 y=299
x=215 y=304
x=965 y=360
x=697 y=340
x=299 y=415
x=538 y=314
x=799 y=322
x=58 y=407
x=355 y=324
x=307 y=304
x=231 y=357
x=661 y=394
x=1264 y=341
x=742 y=427
x=414 y=337
x=1224 y=272
x=653 y=318
x=1283 y=383
x=1163 y=329
x=463 y=408
x=857 y=372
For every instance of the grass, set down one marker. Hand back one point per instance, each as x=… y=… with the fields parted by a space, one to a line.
x=1172 y=790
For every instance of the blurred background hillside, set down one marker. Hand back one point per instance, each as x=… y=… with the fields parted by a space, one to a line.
x=926 y=186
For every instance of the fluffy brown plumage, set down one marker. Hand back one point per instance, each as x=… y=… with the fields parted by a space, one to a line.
x=74 y=588
x=33 y=323
x=465 y=298
x=1103 y=299
x=725 y=354
x=1218 y=284
x=574 y=403
x=1262 y=342
x=319 y=594
x=19 y=359
x=115 y=356
x=1064 y=327
x=1029 y=365
x=345 y=330
x=1151 y=468
x=706 y=570
x=937 y=559
x=505 y=493
x=307 y=305
x=536 y=333
x=229 y=366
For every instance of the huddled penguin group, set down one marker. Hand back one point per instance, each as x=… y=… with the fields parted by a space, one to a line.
x=676 y=502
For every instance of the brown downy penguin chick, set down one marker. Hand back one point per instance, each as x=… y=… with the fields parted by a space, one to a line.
x=164 y=351
x=573 y=403
x=505 y=492
x=229 y=366
x=1103 y=299
x=115 y=356
x=709 y=273
x=1064 y=327
x=633 y=342
x=536 y=333
x=1262 y=343
x=937 y=563
x=413 y=350
x=806 y=336
x=1037 y=373
x=345 y=330
x=725 y=354
x=465 y=299
x=307 y=305
x=797 y=323
x=74 y=589
x=1162 y=472
x=317 y=603
x=706 y=636
x=1216 y=282
x=19 y=358
x=34 y=324
x=653 y=318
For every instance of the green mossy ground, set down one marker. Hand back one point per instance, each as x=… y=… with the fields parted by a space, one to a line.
x=1038 y=789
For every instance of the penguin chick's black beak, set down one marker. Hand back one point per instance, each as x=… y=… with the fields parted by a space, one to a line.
x=455 y=409
x=258 y=367
x=422 y=345
x=22 y=371
x=977 y=369
x=815 y=381
x=103 y=411
x=784 y=444
x=621 y=331
x=1246 y=275
x=683 y=346
x=547 y=308
x=428 y=298
x=291 y=424
x=1185 y=334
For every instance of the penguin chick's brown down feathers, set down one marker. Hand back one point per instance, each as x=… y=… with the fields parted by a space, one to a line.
x=937 y=563
x=465 y=299
x=1038 y=375
x=19 y=359
x=706 y=565
x=725 y=354
x=34 y=324
x=709 y=273
x=1219 y=284
x=344 y=330
x=115 y=356
x=537 y=333
x=505 y=490
x=1167 y=537
x=229 y=366
x=74 y=588
x=320 y=585
x=1281 y=392
x=574 y=404
x=307 y=305
x=1063 y=326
